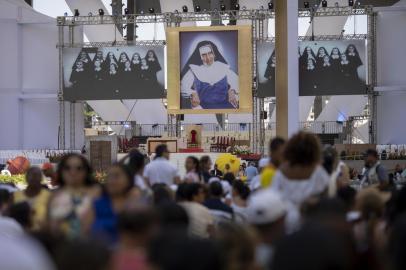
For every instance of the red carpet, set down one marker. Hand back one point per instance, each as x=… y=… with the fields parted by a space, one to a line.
x=191 y=150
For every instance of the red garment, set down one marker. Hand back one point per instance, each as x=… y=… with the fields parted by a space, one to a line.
x=193 y=133
x=130 y=260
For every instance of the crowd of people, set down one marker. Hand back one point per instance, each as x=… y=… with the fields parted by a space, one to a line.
x=295 y=209
x=109 y=73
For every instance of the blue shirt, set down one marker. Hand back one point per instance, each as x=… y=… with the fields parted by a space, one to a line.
x=251 y=172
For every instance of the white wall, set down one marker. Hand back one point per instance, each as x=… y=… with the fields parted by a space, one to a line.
x=29 y=79
x=391 y=59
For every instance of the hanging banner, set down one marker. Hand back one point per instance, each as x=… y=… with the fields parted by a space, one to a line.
x=109 y=73
x=209 y=69
x=326 y=68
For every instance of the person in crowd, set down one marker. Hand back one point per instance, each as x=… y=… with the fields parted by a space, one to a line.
x=270 y=70
x=135 y=229
x=23 y=214
x=36 y=195
x=136 y=164
x=162 y=194
x=220 y=211
x=398 y=172
x=219 y=90
x=191 y=198
x=146 y=74
x=98 y=74
x=101 y=219
x=153 y=63
x=276 y=153
x=251 y=171
x=255 y=182
x=136 y=68
x=331 y=250
x=240 y=194
x=122 y=60
x=241 y=173
x=347 y=73
x=49 y=172
x=397 y=244
x=9 y=227
x=205 y=164
x=375 y=173
x=160 y=170
x=237 y=244
x=300 y=176
x=266 y=213
x=192 y=170
x=216 y=172
x=354 y=175
x=68 y=204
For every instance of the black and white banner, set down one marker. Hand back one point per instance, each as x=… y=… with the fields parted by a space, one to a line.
x=325 y=68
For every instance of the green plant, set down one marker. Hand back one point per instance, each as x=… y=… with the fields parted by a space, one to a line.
x=18 y=179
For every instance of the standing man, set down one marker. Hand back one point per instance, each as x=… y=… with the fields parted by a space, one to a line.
x=276 y=148
x=205 y=166
x=251 y=171
x=216 y=172
x=160 y=170
x=374 y=172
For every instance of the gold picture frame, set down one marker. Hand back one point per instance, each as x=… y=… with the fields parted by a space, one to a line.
x=244 y=69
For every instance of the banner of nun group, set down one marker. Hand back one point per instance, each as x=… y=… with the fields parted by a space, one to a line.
x=133 y=72
x=325 y=68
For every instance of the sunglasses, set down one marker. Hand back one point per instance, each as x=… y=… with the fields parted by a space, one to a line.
x=74 y=168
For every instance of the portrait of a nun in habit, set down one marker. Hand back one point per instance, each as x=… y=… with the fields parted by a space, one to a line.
x=207 y=82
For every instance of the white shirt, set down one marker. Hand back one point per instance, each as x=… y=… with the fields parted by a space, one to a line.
x=294 y=192
x=10 y=228
x=160 y=170
x=139 y=182
x=199 y=219
x=208 y=74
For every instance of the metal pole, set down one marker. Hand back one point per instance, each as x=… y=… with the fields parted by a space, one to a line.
x=60 y=91
x=372 y=77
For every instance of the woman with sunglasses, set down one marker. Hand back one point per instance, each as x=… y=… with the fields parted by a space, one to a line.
x=101 y=219
x=70 y=201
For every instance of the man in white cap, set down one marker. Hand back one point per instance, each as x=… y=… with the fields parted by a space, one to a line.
x=266 y=212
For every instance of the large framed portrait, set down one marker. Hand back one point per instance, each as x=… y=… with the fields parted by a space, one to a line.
x=209 y=69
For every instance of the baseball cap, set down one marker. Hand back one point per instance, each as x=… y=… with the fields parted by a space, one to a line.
x=264 y=207
x=263 y=162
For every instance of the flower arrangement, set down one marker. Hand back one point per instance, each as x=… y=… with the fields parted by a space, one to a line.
x=239 y=150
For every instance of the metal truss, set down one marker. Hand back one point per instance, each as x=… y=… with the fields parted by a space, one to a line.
x=323 y=38
x=147 y=43
x=114 y=123
x=177 y=17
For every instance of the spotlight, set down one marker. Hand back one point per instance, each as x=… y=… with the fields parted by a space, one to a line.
x=142 y=12
x=244 y=8
x=126 y=11
x=270 y=5
x=324 y=3
x=151 y=10
x=261 y=7
x=306 y=4
x=237 y=7
x=337 y=5
x=351 y=3
x=76 y=13
x=222 y=7
x=65 y=14
x=90 y=14
x=101 y=12
x=185 y=9
x=197 y=8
